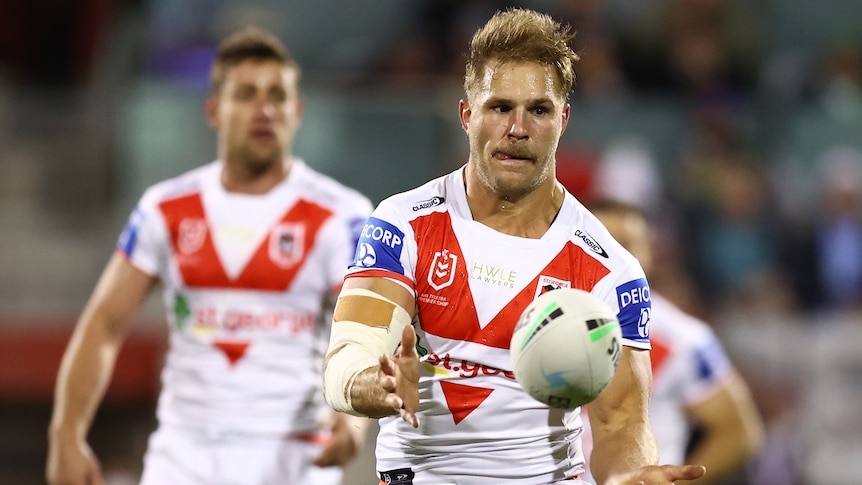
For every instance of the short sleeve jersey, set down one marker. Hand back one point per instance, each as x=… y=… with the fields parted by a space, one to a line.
x=689 y=365
x=245 y=281
x=471 y=284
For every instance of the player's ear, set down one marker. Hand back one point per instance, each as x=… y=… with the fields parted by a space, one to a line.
x=464 y=112
x=211 y=110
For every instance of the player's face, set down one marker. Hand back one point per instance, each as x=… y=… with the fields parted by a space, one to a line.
x=514 y=121
x=630 y=230
x=258 y=112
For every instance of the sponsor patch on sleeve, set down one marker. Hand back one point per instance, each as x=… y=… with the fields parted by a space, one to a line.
x=711 y=360
x=635 y=305
x=129 y=236
x=379 y=247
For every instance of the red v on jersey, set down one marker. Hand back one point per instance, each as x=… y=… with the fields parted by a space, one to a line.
x=274 y=264
x=458 y=320
x=463 y=400
x=234 y=351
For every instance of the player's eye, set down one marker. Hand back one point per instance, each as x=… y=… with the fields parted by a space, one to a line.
x=244 y=93
x=277 y=96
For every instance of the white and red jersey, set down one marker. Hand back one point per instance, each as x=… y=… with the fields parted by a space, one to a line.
x=245 y=280
x=689 y=365
x=471 y=283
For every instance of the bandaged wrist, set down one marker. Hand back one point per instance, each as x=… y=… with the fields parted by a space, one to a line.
x=356 y=345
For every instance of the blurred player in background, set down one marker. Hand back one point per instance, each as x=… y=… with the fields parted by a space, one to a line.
x=460 y=257
x=695 y=386
x=251 y=250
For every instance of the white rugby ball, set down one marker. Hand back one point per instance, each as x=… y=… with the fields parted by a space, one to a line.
x=566 y=347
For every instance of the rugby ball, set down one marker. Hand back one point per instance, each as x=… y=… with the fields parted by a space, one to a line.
x=566 y=347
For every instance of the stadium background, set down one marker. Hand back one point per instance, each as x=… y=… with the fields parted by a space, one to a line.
x=735 y=123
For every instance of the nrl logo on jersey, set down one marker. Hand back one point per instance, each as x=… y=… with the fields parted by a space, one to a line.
x=191 y=235
x=442 y=271
x=287 y=244
x=591 y=243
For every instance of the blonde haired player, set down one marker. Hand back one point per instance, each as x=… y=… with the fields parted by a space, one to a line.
x=444 y=271
x=695 y=385
x=249 y=249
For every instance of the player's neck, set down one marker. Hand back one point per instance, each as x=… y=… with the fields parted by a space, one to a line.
x=245 y=178
x=529 y=216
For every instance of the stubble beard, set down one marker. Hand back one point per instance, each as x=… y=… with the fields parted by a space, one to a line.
x=256 y=162
x=509 y=188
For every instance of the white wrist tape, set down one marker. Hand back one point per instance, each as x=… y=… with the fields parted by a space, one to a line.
x=366 y=325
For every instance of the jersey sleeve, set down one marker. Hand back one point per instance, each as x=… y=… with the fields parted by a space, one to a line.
x=144 y=239
x=627 y=291
x=340 y=239
x=708 y=367
x=386 y=247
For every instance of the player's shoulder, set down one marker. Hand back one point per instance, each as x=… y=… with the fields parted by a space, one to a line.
x=588 y=232
x=432 y=196
x=328 y=191
x=669 y=319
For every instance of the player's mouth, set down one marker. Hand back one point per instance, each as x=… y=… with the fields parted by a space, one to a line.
x=512 y=156
x=263 y=134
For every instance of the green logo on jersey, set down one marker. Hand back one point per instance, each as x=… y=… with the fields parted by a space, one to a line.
x=181 y=311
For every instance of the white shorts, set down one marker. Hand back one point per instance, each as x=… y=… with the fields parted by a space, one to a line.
x=183 y=457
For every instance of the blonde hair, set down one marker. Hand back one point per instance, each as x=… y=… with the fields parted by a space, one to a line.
x=249 y=43
x=522 y=35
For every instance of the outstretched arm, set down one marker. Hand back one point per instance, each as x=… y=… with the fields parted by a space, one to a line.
x=732 y=429
x=361 y=374
x=624 y=449
x=86 y=369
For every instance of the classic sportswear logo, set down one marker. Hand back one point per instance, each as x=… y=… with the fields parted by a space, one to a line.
x=425 y=204
x=591 y=243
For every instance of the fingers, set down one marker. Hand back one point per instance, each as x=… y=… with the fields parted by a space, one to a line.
x=409 y=418
x=387 y=365
x=689 y=472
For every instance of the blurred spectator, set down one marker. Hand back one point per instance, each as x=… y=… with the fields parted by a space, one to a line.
x=68 y=35
x=599 y=72
x=694 y=47
x=429 y=47
x=839 y=231
x=729 y=228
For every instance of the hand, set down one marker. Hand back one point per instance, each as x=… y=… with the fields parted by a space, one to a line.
x=400 y=378
x=659 y=475
x=72 y=463
x=342 y=446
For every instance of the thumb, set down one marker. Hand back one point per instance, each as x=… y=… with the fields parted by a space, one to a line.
x=408 y=342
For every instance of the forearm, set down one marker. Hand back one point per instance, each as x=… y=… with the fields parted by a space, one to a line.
x=85 y=373
x=721 y=454
x=623 y=450
x=355 y=425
